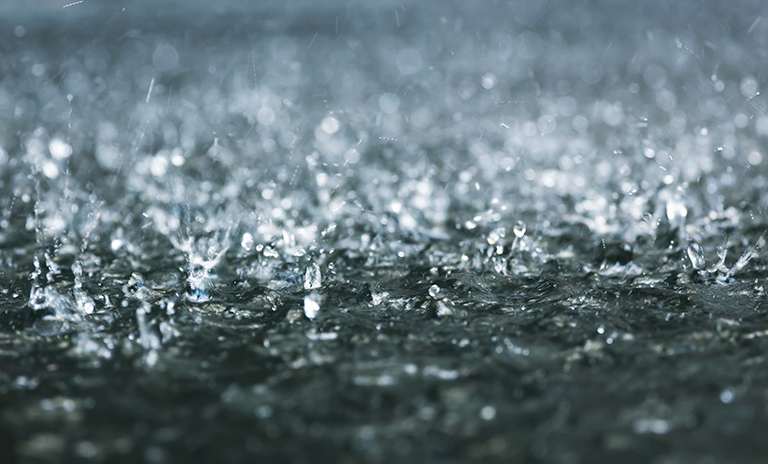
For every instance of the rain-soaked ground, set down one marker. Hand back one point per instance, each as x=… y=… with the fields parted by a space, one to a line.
x=377 y=231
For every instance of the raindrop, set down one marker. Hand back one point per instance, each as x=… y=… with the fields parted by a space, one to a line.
x=409 y=61
x=165 y=58
x=330 y=125
x=487 y=413
x=519 y=229
x=311 y=305
x=389 y=103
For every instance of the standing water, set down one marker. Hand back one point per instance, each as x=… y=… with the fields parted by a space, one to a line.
x=437 y=231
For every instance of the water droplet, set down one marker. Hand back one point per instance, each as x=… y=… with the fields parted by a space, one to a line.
x=311 y=305
x=488 y=81
x=519 y=229
x=330 y=125
x=159 y=166
x=165 y=58
x=389 y=103
x=487 y=413
x=748 y=86
x=59 y=149
x=312 y=277
x=50 y=170
x=496 y=235
x=696 y=255
x=444 y=374
x=434 y=291
x=378 y=298
x=147 y=337
x=409 y=61
x=651 y=425
x=247 y=241
x=444 y=309
x=676 y=211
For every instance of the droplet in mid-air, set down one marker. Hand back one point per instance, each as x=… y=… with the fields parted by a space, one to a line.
x=696 y=255
x=311 y=306
x=519 y=229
